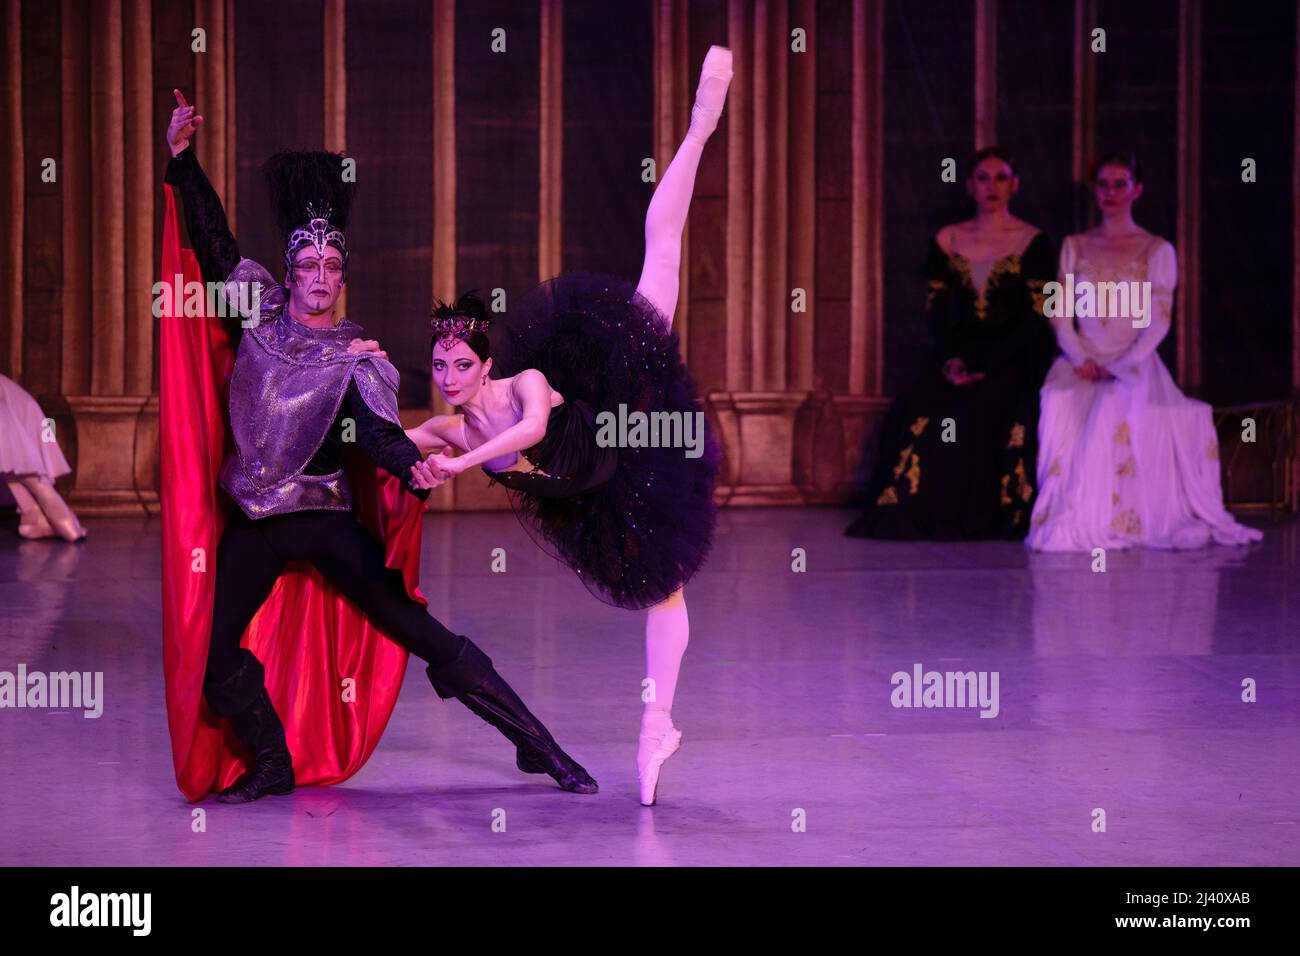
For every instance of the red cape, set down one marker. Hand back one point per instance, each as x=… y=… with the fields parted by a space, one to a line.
x=309 y=638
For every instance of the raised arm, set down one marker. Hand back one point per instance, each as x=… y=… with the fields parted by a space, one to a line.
x=205 y=217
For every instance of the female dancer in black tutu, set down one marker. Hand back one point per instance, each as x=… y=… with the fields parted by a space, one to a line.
x=635 y=523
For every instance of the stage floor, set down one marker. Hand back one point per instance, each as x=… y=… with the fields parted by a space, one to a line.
x=1118 y=691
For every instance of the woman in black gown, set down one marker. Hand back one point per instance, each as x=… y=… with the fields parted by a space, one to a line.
x=958 y=450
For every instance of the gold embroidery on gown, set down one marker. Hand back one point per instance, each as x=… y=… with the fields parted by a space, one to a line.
x=1128 y=523
x=914 y=475
x=1035 y=287
x=902 y=460
x=1007 y=265
x=936 y=286
x=1023 y=488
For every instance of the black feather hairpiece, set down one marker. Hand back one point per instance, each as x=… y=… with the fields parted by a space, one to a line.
x=311 y=201
x=299 y=178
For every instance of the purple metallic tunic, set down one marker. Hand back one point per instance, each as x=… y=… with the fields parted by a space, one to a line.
x=286 y=389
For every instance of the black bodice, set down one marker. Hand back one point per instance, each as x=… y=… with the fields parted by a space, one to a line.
x=568 y=461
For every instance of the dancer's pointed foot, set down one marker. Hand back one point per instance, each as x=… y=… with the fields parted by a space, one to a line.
x=70 y=529
x=33 y=525
x=659 y=740
x=563 y=769
x=711 y=94
x=472 y=680
x=55 y=510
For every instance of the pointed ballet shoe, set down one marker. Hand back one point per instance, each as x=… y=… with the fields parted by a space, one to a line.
x=711 y=94
x=70 y=530
x=35 y=530
x=56 y=511
x=653 y=748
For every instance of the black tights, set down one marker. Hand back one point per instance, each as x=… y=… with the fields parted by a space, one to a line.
x=252 y=555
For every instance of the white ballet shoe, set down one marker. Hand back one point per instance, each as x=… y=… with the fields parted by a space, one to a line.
x=711 y=94
x=655 y=745
x=35 y=528
x=56 y=511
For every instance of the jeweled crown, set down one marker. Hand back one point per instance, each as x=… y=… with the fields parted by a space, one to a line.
x=448 y=328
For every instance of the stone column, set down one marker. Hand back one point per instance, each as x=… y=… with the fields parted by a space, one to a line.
x=837 y=432
x=11 y=192
x=1187 y=296
x=671 y=64
x=550 y=172
x=443 y=52
x=334 y=88
x=114 y=409
x=757 y=411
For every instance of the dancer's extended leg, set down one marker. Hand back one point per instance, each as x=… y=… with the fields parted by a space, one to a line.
x=667 y=627
x=55 y=509
x=666 y=216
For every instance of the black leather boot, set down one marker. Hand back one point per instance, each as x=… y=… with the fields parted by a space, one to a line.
x=243 y=700
x=472 y=680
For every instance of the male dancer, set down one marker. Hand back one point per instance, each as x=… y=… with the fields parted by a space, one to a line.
x=299 y=389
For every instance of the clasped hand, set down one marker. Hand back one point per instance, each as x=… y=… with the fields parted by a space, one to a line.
x=366 y=345
x=435 y=470
x=954 y=370
x=1093 y=372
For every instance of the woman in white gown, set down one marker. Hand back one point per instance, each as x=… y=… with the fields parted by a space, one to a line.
x=1124 y=458
x=30 y=460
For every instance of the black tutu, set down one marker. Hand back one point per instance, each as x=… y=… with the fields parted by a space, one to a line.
x=634 y=523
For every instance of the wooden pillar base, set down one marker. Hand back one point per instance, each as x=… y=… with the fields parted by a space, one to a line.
x=147 y=464
x=860 y=417
x=109 y=455
x=758 y=430
x=831 y=439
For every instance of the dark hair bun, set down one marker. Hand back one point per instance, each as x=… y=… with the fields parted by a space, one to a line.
x=472 y=307
x=1127 y=160
x=989 y=152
